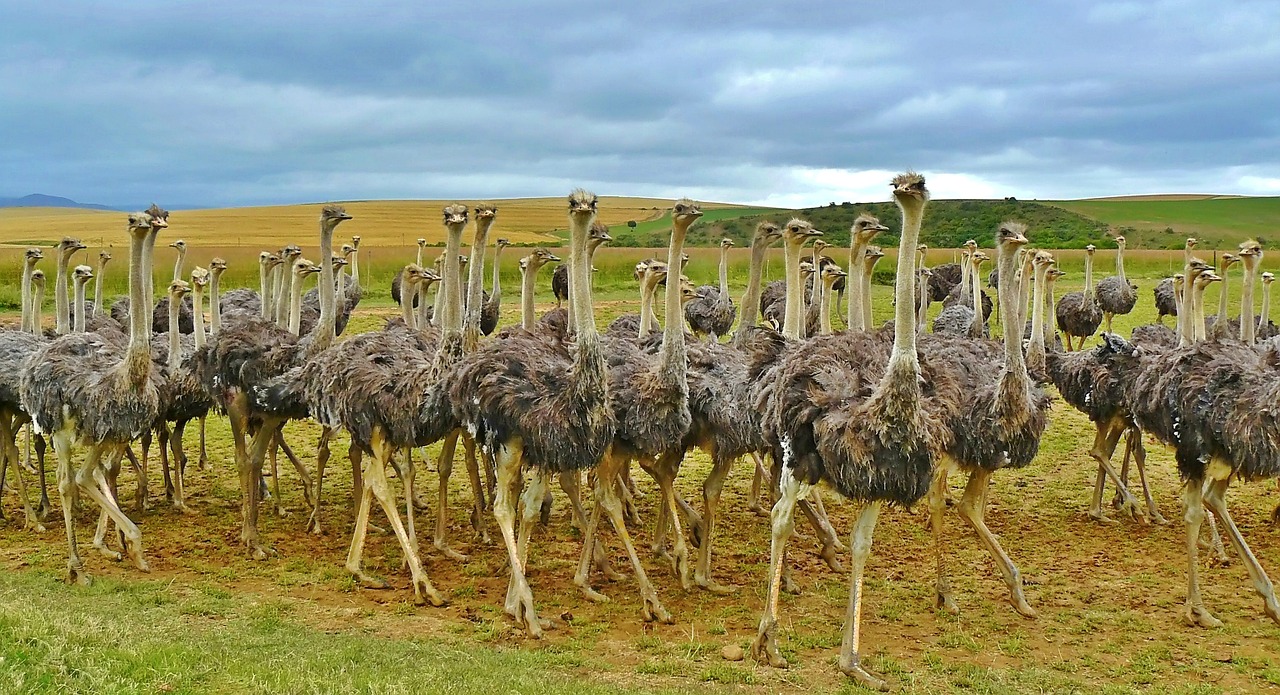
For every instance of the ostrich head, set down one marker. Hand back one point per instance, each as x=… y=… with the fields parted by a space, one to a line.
x=1191 y=242
x=685 y=212
x=1268 y=278
x=32 y=255
x=504 y=243
x=1206 y=278
x=689 y=291
x=200 y=277
x=302 y=268
x=1250 y=247
x=37 y=279
x=337 y=261
x=486 y=211
x=1042 y=259
x=333 y=215
x=179 y=288
x=347 y=250
x=537 y=259
x=68 y=246
x=582 y=204
x=1011 y=235
x=81 y=274
x=971 y=245
x=599 y=234
x=103 y=257
x=159 y=213
x=422 y=242
x=873 y=254
x=866 y=227
x=830 y=273
x=726 y=243
x=455 y=216
x=264 y=259
x=413 y=274
x=355 y=241
x=1120 y=242
x=429 y=276
x=978 y=258
x=909 y=191
x=806 y=268
x=684 y=260
x=140 y=224
x=819 y=245
x=1228 y=260
x=766 y=233
x=1088 y=250
x=1053 y=275
x=290 y=253
x=797 y=232
x=273 y=260
x=179 y=244
x=1118 y=348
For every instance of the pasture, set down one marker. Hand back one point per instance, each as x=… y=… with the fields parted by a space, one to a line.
x=1216 y=220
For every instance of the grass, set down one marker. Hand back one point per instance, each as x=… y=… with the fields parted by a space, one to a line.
x=1164 y=223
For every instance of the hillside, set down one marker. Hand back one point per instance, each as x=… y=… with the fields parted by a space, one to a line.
x=1166 y=221
x=40 y=200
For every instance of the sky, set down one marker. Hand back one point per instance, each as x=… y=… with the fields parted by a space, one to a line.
x=753 y=101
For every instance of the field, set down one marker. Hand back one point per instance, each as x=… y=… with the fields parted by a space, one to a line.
x=208 y=619
x=1214 y=219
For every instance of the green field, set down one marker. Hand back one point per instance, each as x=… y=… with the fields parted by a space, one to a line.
x=1162 y=223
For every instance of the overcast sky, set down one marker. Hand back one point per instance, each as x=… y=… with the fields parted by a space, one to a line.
x=764 y=101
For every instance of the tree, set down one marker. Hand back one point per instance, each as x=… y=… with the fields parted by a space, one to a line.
x=631 y=224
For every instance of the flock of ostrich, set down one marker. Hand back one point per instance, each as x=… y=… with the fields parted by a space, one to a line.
x=880 y=414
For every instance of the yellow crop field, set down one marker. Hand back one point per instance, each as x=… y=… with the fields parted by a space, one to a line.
x=380 y=223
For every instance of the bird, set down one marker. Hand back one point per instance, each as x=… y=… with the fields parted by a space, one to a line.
x=100 y=278
x=62 y=307
x=1266 y=329
x=15 y=347
x=1166 y=302
x=529 y=267
x=537 y=402
x=864 y=229
x=712 y=315
x=242 y=358
x=1219 y=326
x=869 y=422
x=493 y=303
x=184 y=398
x=560 y=277
x=1078 y=313
x=80 y=389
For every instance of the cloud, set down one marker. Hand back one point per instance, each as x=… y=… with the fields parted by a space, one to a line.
x=752 y=101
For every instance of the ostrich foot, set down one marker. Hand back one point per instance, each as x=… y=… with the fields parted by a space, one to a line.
x=591 y=594
x=1156 y=517
x=33 y=524
x=313 y=523
x=450 y=552
x=652 y=609
x=257 y=550
x=1098 y=516
x=135 y=553
x=789 y=585
x=855 y=671
x=368 y=581
x=1131 y=509
x=1020 y=604
x=829 y=556
x=520 y=607
x=758 y=509
x=203 y=462
x=424 y=593
x=478 y=525
x=44 y=511
x=943 y=601
x=419 y=504
x=1275 y=515
x=183 y=508
x=765 y=647
x=1199 y=616
x=711 y=585
x=107 y=552
x=77 y=575
x=680 y=565
x=544 y=513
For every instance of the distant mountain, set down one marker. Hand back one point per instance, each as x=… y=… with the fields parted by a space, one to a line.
x=40 y=200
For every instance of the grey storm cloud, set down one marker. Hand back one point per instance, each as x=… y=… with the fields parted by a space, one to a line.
x=785 y=103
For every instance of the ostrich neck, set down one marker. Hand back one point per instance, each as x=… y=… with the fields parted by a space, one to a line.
x=724 y=275
x=1201 y=333
x=922 y=298
x=496 y=295
x=588 y=361
x=1222 y=297
x=420 y=249
x=1265 y=314
x=751 y=299
x=78 y=325
x=824 y=309
x=327 y=290
x=975 y=328
x=1247 y=326
x=1051 y=310
x=528 y=280
x=283 y=292
x=37 y=309
x=448 y=313
x=295 y=307
x=60 y=293
x=868 y=269
x=138 y=355
x=264 y=289
x=178 y=263
x=421 y=294
x=354 y=270
x=406 y=307
x=1088 y=275
x=99 y=278
x=1120 y=264
x=28 y=267
x=438 y=305
x=475 y=285
x=647 y=320
x=175 y=346
x=964 y=277
x=1024 y=289
x=793 y=322
x=215 y=303
x=197 y=315
x=149 y=275
x=672 y=355
x=904 y=363
x=1012 y=333
x=857 y=250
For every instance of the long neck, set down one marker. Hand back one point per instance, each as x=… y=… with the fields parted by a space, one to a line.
x=975 y=328
x=648 y=320
x=406 y=307
x=724 y=274
x=793 y=322
x=283 y=292
x=1035 y=353
x=99 y=278
x=1247 y=327
x=295 y=307
x=672 y=355
x=28 y=267
x=421 y=293
x=441 y=294
x=449 y=310
x=1222 y=297
x=1180 y=303
x=1265 y=315
x=589 y=367
x=855 y=316
x=1088 y=274
x=1120 y=263
x=197 y=314
x=1201 y=333
x=750 y=307
x=922 y=300
x=824 y=309
x=965 y=278
x=904 y=363
x=175 y=347
x=326 y=325
x=496 y=295
x=528 y=281
x=177 y=264
x=215 y=303
x=1051 y=311
x=1024 y=290
x=138 y=355
x=1187 y=311
x=60 y=294
x=475 y=285
x=148 y=273
x=79 y=308
x=37 y=310
x=354 y=269
x=264 y=289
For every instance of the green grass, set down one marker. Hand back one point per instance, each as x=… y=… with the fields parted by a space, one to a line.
x=1222 y=222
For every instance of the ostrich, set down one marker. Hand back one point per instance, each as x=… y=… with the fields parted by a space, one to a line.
x=1000 y=422
x=493 y=305
x=245 y=300
x=100 y=278
x=62 y=308
x=813 y=290
x=251 y=352
x=560 y=278
x=1157 y=334
x=1219 y=325
x=870 y=258
x=1078 y=312
x=396 y=282
x=830 y=274
x=871 y=424
x=29 y=259
x=1116 y=295
x=1166 y=300
x=960 y=318
x=15 y=348
x=83 y=390
x=1184 y=325
x=713 y=315
x=945 y=278
x=529 y=267
x=80 y=277
x=1266 y=329
x=1210 y=402
x=543 y=403
x=184 y=397
x=864 y=229
x=379 y=385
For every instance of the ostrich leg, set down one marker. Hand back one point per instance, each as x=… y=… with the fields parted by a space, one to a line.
x=477 y=488
x=10 y=456
x=444 y=467
x=1104 y=445
x=376 y=476
x=179 y=467
x=711 y=488
x=850 y=655
x=45 y=510
x=69 y=493
x=1215 y=498
x=663 y=470
x=938 y=508
x=1194 y=611
x=973 y=508
x=91 y=480
x=761 y=478
x=204 y=451
x=765 y=647
x=509 y=463
x=322 y=459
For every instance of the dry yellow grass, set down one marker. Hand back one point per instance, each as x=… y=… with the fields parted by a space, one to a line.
x=380 y=223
